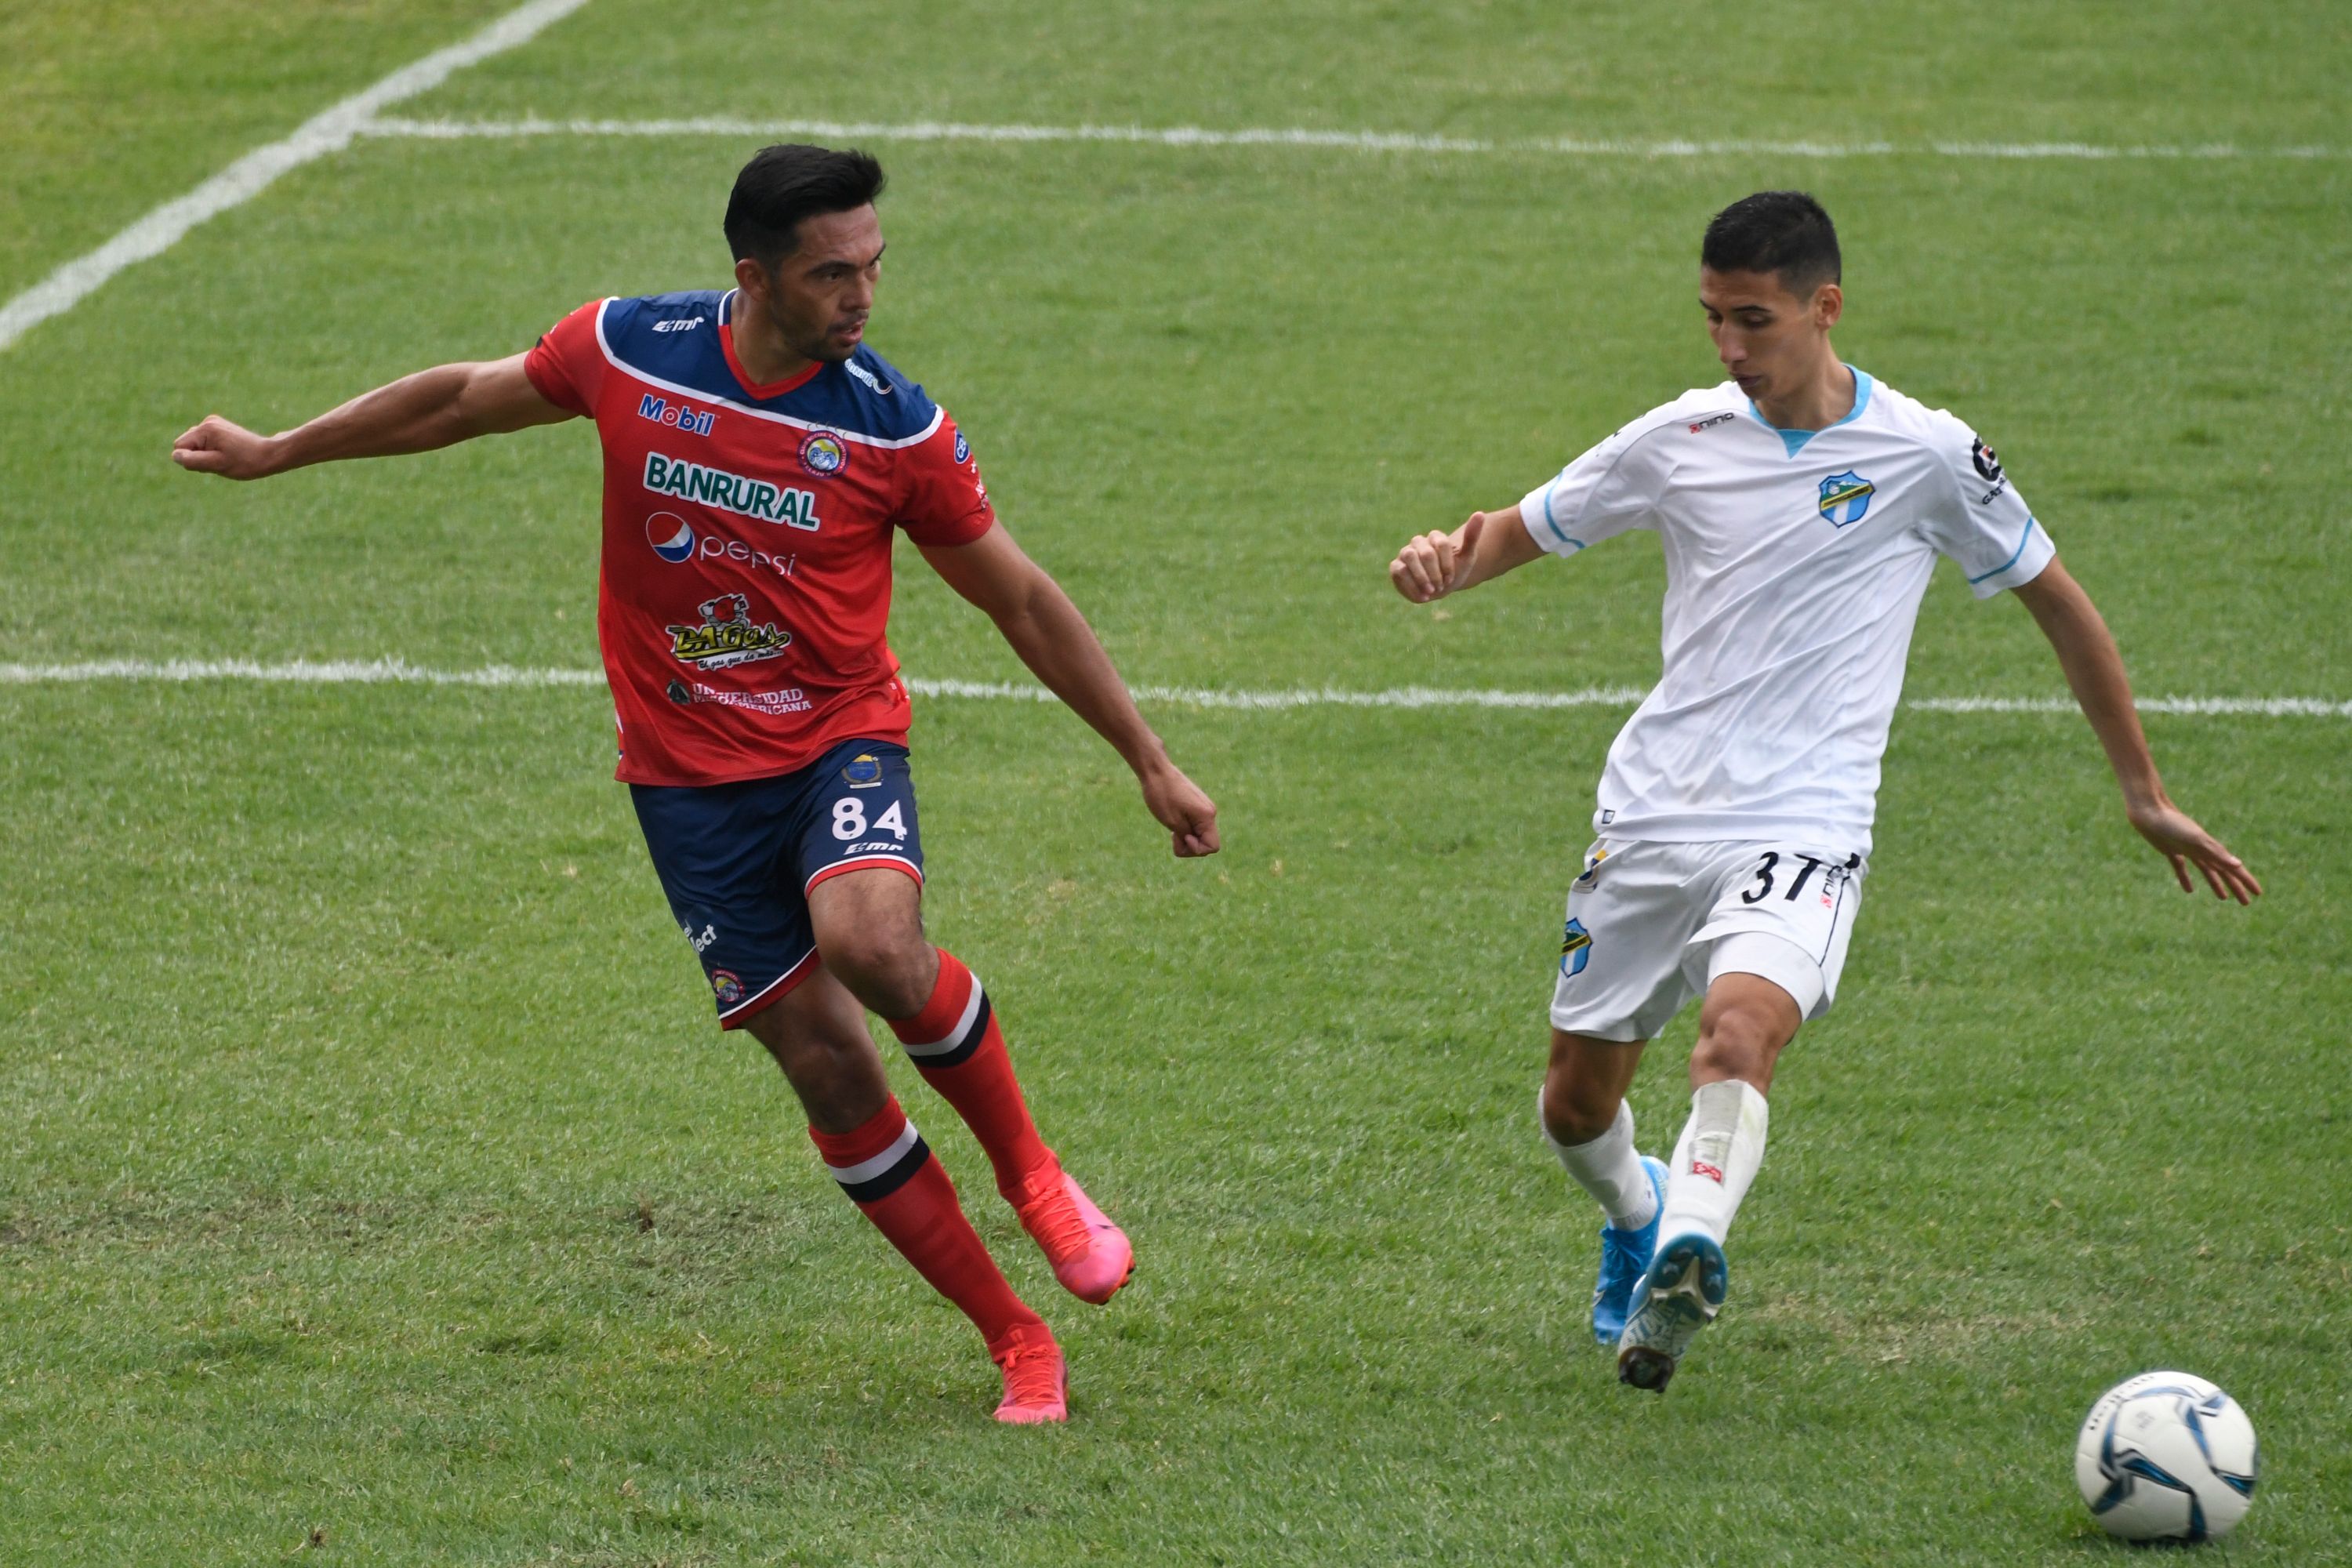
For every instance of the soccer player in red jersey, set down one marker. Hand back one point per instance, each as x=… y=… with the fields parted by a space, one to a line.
x=757 y=457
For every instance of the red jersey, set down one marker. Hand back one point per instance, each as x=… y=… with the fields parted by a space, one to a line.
x=746 y=579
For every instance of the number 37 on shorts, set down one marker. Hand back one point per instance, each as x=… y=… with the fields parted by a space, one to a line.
x=1650 y=924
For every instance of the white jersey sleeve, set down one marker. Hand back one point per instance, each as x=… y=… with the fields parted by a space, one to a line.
x=1611 y=489
x=1982 y=523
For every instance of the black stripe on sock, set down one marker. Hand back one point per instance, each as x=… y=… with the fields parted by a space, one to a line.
x=962 y=1050
x=900 y=1172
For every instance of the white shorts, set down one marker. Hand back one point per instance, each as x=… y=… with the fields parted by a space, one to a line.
x=1650 y=925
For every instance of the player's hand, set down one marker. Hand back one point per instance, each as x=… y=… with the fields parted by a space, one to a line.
x=1189 y=816
x=2178 y=838
x=1432 y=566
x=216 y=446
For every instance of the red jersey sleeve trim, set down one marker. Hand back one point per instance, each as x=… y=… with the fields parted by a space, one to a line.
x=550 y=373
x=944 y=501
x=949 y=535
x=544 y=379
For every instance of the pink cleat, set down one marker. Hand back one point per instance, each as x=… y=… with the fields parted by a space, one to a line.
x=1037 y=1381
x=1090 y=1256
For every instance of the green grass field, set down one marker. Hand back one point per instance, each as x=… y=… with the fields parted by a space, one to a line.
x=373 y=1186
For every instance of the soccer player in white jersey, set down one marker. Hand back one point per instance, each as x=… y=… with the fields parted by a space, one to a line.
x=1802 y=506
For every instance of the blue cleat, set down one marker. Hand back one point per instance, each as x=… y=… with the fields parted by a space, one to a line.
x=1679 y=1295
x=1625 y=1257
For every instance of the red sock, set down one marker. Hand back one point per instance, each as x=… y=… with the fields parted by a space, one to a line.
x=889 y=1174
x=956 y=1044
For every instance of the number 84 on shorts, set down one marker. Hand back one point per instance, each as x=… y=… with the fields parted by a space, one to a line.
x=889 y=829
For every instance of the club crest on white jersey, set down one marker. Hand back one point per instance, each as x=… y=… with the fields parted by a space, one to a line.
x=1845 y=498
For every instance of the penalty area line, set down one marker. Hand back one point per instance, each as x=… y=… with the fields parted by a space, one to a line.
x=399 y=672
x=1302 y=137
x=329 y=130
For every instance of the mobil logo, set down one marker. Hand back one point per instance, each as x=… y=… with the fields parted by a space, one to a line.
x=671 y=536
x=677 y=416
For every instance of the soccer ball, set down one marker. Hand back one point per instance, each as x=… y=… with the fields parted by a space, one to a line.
x=2166 y=1456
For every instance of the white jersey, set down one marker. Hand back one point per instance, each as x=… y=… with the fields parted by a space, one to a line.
x=1795 y=564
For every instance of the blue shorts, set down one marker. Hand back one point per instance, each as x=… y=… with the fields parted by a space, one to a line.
x=737 y=861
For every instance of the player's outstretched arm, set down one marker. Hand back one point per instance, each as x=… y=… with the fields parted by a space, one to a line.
x=1435 y=564
x=437 y=408
x=1055 y=641
x=2095 y=669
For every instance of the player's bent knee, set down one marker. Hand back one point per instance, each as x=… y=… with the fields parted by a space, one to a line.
x=869 y=933
x=1746 y=1054
x=1585 y=1083
x=893 y=979
x=890 y=970
x=1575 y=1112
x=1744 y=1038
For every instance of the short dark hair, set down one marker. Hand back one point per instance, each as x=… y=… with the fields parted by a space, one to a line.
x=1782 y=232
x=790 y=180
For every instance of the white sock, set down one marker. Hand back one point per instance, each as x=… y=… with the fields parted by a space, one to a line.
x=1717 y=1156
x=1608 y=1168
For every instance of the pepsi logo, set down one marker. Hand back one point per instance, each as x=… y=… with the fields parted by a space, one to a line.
x=671 y=536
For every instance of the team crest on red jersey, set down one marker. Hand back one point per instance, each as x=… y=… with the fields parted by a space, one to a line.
x=823 y=454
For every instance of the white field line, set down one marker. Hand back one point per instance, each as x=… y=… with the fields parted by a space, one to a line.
x=295 y=672
x=1298 y=697
x=329 y=130
x=398 y=672
x=1358 y=141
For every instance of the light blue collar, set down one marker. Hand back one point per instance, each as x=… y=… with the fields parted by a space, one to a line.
x=1794 y=441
